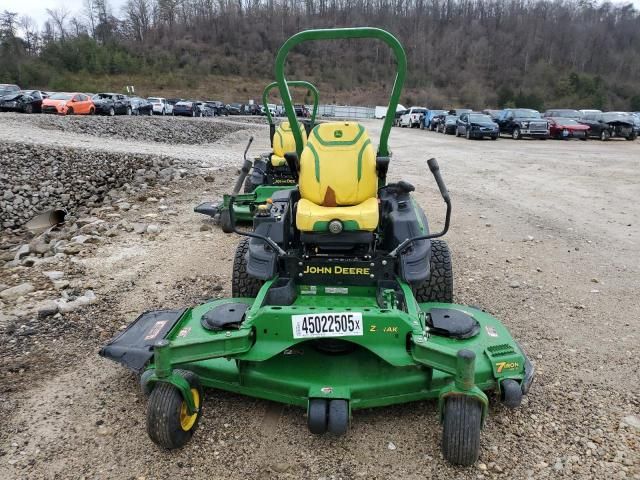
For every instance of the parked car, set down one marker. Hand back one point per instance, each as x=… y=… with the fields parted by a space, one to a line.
x=477 y=125
x=8 y=89
x=173 y=101
x=69 y=104
x=566 y=128
x=562 y=113
x=494 y=114
x=208 y=110
x=218 y=107
x=25 y=101
x=610 y=125
x=201 y=108
x=459 y=111
x=437 y=121
x=396 y=118
x=112 y=104
x=301 y=111
x=427 y=119
x=161 y=106
x=186 y=108
x=586 y=112
x=272 y=109
x=140 y=106
x=412 y=117
x=235 y=109
x=523 y=122
x=447 y=124
x=636 y=122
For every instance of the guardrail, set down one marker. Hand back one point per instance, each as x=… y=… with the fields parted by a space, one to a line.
x=346 y=111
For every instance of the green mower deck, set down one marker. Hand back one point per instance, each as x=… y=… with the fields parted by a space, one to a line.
x=395 y=360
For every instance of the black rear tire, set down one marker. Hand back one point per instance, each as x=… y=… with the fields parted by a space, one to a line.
x=462 y=421
x=439 y=286
x=242 y=285
x=164 y=413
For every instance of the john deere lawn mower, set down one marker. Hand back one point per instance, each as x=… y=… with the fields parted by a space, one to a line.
x=342 y=300
x=267 y=173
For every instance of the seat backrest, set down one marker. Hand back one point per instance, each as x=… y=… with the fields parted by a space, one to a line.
x=338 y=165
x=283 y=141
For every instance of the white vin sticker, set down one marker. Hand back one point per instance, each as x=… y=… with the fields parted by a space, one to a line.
x=330 y=324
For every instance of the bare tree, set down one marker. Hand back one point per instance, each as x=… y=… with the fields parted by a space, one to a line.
x=58 y=17
x=89 y=11
x=30 y=32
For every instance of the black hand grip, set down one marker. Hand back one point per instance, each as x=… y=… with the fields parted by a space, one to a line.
x=244 y=171
x=435 y=170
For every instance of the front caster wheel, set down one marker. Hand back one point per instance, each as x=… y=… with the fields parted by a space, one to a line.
x=169 y=424
x=461 y=433
x=317 y=415
x=511 y=393
x=225 y=221
x=145 y=387
x=338 y=422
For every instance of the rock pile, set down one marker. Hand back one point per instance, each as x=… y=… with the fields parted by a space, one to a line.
x=35 y=179
x=169 y=130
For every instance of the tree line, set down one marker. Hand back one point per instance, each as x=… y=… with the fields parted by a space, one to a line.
x=477 y=53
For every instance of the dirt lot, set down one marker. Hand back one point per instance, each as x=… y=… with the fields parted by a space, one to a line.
x=545 y=235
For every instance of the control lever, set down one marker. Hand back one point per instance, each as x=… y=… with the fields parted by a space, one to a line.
x=244 y=171
x=267 y=240
x=435 y=170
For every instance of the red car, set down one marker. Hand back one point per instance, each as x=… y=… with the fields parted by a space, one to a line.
x=565 y=128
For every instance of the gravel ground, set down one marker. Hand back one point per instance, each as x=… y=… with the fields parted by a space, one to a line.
x=544 y=235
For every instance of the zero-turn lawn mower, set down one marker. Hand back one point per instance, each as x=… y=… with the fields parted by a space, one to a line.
x=267 y=173
x=342 y=300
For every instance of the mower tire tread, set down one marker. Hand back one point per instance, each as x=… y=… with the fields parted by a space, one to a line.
x=225 y=221
x=338 y=421
x=439 y=286
x=462 y=421
x=317 y=415
x=163 y=413
x=511 y=393
x=242 y=285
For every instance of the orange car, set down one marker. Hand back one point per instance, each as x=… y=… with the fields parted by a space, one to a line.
x=69 y=104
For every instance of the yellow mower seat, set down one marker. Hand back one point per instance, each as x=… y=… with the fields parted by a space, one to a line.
x=338 y=179
x=283 y=142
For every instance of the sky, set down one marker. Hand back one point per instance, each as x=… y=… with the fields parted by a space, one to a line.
x=37 y=8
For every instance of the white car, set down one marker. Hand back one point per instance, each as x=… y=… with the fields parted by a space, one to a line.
x=161 y=106
x=586 y=112
x=271 y=107
x=413 y=117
